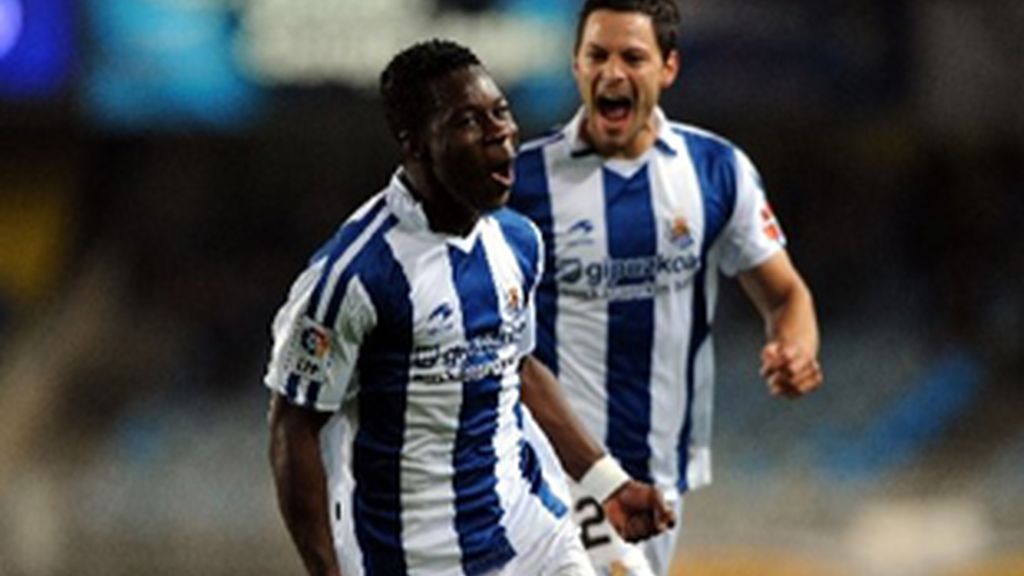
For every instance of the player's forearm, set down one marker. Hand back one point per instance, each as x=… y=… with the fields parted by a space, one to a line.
x=784 y=301
x=792 y=319
x=302 y=486
x=576 y=448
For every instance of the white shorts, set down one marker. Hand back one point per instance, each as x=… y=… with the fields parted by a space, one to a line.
x=560 y=555
x=613 y=556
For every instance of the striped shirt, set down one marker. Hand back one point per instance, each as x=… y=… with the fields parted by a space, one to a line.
x=413 y=340
x=627 y=300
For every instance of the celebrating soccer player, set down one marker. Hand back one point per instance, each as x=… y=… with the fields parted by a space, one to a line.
x=638 y=215
x=399 y=443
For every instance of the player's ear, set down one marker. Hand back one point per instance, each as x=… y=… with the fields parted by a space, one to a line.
x=412 y=146
x=671 y=68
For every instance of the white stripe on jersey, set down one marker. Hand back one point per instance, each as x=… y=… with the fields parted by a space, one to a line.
x=582 y=321
x=675 y=191
x=431 y=426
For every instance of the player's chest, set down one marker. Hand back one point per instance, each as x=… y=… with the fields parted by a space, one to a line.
x=638 y=233
x=468 y=312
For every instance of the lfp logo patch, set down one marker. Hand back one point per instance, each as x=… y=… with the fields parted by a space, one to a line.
x=315 y=341
x=679 y=234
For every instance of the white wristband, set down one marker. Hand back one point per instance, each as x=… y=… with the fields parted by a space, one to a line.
x=603 y=478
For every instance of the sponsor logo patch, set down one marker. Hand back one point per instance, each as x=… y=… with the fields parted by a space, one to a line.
x=579 y=234
x=440 y=319
x=770 y=225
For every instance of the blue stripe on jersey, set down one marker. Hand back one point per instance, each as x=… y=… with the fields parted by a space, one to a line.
x=531 y=196
x=333 y=250
x=313 y=393
x=478 y=512
x=714 y=162
x=384 y=374
x=291 y=387
x=629 y=214
x=529 y=466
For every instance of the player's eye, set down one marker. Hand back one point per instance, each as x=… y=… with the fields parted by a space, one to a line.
x=596 y=56
x=467 y=120
x=634 y=58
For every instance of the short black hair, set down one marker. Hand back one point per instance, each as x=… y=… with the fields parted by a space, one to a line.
x=664 y=16
x=405 y=82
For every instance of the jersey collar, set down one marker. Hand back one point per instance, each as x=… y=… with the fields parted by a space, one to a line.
x=404 y=205
x=411 y=216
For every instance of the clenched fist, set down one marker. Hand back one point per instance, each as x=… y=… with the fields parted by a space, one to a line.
x=637 y=511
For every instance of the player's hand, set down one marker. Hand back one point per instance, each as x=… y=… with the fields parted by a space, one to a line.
x=637 y=511
x=789 y=370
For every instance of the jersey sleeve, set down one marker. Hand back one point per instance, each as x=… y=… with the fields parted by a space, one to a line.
x=753 y=234
x=313 y=364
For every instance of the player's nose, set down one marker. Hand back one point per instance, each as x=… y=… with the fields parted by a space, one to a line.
x=614 y=69
x=500 y=129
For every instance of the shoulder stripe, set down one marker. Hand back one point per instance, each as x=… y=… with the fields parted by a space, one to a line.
x=349 y=241
x=690 y=130
x=541 y=142
x=357 y=262
x=714 y=160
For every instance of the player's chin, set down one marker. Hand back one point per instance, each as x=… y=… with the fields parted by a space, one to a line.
x=611 y=140
x=494 y=197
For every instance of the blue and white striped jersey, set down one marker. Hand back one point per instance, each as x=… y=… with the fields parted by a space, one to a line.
x=413 y=339
x=626 y=303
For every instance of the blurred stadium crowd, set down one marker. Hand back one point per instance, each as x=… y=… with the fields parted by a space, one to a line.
x=166 y=166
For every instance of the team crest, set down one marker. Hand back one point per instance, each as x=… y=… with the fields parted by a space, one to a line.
x=679 y=233
x=514 y=299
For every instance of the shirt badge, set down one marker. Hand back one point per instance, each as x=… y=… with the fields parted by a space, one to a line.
x=679 y=234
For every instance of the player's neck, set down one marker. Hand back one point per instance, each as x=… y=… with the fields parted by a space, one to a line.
x=444 y=214
x=632 y=149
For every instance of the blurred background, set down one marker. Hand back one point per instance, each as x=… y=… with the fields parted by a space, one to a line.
x=167 y=166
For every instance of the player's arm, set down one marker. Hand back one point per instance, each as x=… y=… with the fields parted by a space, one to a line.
x=789 y=360
x=636 y=510
x=302 y=483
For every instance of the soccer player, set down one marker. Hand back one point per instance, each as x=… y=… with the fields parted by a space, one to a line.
x=638 y=215
x=400 y=443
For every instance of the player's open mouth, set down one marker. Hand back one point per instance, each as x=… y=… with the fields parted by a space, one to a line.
x=502 y=173
x=614 y=109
